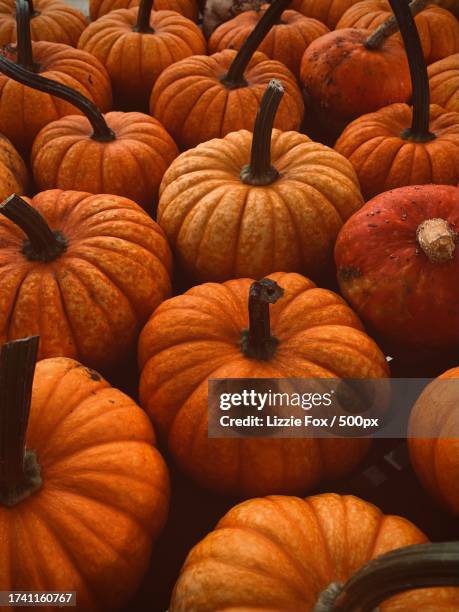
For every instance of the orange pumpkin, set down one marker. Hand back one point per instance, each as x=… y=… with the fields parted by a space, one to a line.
x=232 y=208
x=24 y=111
x=327 y=11
x=82 y=271
x=205 y=97
x=13 y=172
x=287 y=553
x=444 y=82
x=81 y=506
x=187 y=8
x=135 y=45
x=203 y=334
x=385 y=151
x=438 y=28
x=51 y=20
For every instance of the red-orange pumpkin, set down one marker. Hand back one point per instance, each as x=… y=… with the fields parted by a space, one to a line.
x=444 y=82
x=13 y=172
x=327 y=11
x=187 y=8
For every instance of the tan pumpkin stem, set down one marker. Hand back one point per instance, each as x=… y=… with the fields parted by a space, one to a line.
x=24 y=40
x=411 y=567
x=142 y=24
x=390 y=26
x=19 y=470
x=437 y=240
x=42 y=243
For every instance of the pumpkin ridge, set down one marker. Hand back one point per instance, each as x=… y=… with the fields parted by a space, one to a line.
x=325 y=545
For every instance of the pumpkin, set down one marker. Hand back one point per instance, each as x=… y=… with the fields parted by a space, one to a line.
x=450 y=5
x=251 y=203
x=285 y=42
x=224 y=88
x=51 y=20
x=386 y=151
x=283 y=553
x=14 y=177
x=82 y=505
x=135 y=45
x=438 y=28
x=435 y=459
x=327 y=11
x=187 y=8
x=444 y=82
x=398 y=265
x=83 y=271
x=203 y=334
x=24 y=111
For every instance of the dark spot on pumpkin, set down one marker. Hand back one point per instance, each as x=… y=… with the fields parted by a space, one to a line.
x=348 y=273
x=93 y=375
x=372 y=225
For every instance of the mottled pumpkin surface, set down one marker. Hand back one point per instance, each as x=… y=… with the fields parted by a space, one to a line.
x=13 y=172
x=444 y=82
x=187 y=8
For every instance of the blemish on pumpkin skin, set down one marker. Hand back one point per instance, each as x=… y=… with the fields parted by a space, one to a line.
x=93 y=375
x=348 y=273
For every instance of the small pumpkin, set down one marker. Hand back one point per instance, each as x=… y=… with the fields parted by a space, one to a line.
x=24 y=111
x=386 y=151
x=328 y=12
x=398 y=264
x=83 y=490
x=14 y=177
x=224 y=88
x=83 y=271
x=286 y=42
x=286 y=553
x=438 y=28
x=51 y=20
x=444 y=82
x=135 y=45
x=251 y=203
x=203 y=334
x=187 y=8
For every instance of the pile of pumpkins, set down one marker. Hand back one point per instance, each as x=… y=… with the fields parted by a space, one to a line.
x=133 y=146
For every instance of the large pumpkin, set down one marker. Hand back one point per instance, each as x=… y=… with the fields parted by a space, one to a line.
x=80 y=507
x=251 y=203
x=399 y=145
x=135 y=45
x=13 y=172
x=82 y=271
x=24 y=111
x=205 y=97
x=51 y=20
x=187 y=8
x=398 y=265
x=203 y=334
x=444 y=82
x=282 y=553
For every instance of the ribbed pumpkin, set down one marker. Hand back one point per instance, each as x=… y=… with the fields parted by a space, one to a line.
x=282 y=553
x=24 y=111
x=326 y=11
x=203 y=334
x=444 y=82
x=82 y=271
x=438 y=28
x=205 y=97
x=135 y=45
x=251 y=203
x=386 y=151
x=187 y=8
x=398 y=266
x=436 y=459
x=51 y=20
x=82 y=504
x=13 y=172
x=286 y=42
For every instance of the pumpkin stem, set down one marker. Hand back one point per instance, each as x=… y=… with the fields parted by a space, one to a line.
x=24 y=40
x=32 y=11
x=257 y=342
x=234 y=78
x=260 y=171
x=411 y=567
x=42 y=243
x=437 y=239
x=101 y=131
x=376 y=39
x=142 y=24
x=19 y=470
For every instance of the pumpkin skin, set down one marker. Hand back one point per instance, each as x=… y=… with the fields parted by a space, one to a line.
x=24 y=111
x=134 y=60
x=444 y=82
x=384 y=160
x=327 y=11
x=54 y=21
x=286 y=42
x=438 y=28
x=187 y=8
x=389 y=279
x=90 y=441
x=195 y=336
x=89 y=302
x=436 y=460
x=65 y=156
x=13 y=172
x=281 y=552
